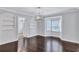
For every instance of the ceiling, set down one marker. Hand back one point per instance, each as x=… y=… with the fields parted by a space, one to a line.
x=44 y=11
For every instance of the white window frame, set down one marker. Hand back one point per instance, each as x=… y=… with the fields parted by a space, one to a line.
x=60 y=21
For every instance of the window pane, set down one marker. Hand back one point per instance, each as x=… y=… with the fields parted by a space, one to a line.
x=53 y=24
x=56 y=25
x=48 y=25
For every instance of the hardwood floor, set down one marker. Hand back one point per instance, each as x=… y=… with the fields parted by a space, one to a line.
x=70 y=46
x=39 y=43
x=43 y=44
x=9 y=47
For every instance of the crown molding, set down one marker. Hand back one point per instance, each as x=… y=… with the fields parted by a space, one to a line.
x=15 y=12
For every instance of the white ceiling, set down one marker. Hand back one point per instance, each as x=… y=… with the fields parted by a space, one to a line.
x=44 y=11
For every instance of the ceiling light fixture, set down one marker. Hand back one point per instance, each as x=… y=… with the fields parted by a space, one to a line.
x=38 y=16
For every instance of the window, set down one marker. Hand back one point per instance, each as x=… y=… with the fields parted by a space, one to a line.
x=53 y=24
x=20 y=24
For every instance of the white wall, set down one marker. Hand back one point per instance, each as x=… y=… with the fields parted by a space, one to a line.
x=77 y=27
x=69 y=27
x=7 y=33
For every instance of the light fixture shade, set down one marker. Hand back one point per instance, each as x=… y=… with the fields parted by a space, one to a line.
x=38 y=17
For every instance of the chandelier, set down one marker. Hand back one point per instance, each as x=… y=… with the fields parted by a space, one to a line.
x=38 y=16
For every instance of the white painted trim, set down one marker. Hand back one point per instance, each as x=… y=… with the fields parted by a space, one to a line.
x=69 y=40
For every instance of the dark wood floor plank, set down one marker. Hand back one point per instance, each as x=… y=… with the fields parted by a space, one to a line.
x=9 y=47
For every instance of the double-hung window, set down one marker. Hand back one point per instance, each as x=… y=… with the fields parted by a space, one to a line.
x=53 y=24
